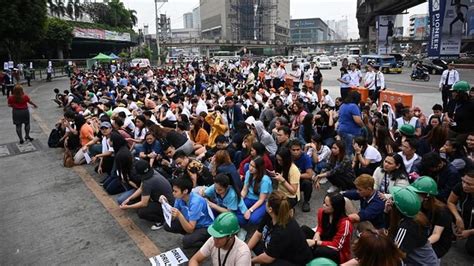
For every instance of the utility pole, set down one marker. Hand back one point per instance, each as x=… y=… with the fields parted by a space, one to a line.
x=157 y=24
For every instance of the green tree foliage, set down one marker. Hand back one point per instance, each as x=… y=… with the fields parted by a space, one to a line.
x=23 y=23
x=142 y=52
x=112 y=13
x=58 y=34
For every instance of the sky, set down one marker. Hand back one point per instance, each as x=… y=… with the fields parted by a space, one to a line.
x=324 y=9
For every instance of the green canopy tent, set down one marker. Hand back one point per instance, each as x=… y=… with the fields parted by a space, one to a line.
x=100 y=57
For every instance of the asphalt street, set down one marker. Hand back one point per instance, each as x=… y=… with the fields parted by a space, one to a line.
x=57 y=215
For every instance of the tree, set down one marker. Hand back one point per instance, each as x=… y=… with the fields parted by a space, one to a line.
x=133 y=17
x=58 y=34
x=23 y=23
x=70 y=9
x=78 y=9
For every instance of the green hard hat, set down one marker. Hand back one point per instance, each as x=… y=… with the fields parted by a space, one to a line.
x=406 y=201
x=424 y=184
x=321 y=262
x=225 y=224
x=408 y=130
x=461 y=86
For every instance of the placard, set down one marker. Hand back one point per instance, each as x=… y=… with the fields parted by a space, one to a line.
x=168 y=258
x=5 y=65
x=10 y=64
x=166 y=212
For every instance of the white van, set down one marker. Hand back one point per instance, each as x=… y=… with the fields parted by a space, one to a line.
x=141 y=62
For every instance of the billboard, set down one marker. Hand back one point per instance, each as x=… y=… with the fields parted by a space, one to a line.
x=98 y=34
x=385 y=33
x=420 y=27
x=448 y=22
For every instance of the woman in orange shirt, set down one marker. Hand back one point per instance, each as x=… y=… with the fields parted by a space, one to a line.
x=19 y=101
x=199 y=136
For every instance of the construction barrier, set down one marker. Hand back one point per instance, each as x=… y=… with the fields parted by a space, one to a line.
x=364 y=93
x=393 y=97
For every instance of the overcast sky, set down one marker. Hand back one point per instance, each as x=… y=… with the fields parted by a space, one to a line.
x=324 y=9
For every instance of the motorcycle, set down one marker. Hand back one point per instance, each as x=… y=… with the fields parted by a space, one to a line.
x=420 y=74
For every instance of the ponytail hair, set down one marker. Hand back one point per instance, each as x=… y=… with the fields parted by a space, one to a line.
x=280 y=206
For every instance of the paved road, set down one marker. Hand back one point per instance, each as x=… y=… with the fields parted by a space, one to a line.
x=55 y=215
x=425 y=94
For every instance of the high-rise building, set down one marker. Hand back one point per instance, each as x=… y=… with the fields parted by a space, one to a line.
x=197 y=18
x=263 y=20
x=188 y=20
x=418 y=27
x=309 y=30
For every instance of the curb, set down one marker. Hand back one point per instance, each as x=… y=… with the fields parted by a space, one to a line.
x=464 y=66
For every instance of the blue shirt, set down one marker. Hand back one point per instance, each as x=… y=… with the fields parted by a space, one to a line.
x=230 y=200
x=196 y=210
x=154 y=147
x=371 y=209
x=346 y=121
x=265 y=186
x=303 y=163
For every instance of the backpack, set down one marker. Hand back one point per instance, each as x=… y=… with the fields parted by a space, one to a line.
x=54 y=138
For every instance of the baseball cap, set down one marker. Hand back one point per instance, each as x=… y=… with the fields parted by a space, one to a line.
x=105 y=124
x=143 y=169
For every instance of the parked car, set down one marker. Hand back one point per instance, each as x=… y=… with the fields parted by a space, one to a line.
x=399 y=58
x=289 y=59
x=323 y=62
x=333 y=60
x=435 y=66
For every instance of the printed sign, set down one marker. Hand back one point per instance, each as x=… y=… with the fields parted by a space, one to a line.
x=117 y=36
x=385 y=33
x=88 y=33
x=447 y=26
x=5 y=65
x=166 y=212
x=11 y=64
x=172 y=257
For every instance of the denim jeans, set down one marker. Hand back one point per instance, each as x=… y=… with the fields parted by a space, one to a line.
x=122 y=197
x=347 y=138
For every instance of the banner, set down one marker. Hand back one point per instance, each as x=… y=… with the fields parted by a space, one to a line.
x=117 y=36
x=448 y=22
x=385 y=33
x=88 y=33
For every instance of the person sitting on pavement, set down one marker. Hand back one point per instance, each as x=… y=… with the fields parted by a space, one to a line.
x=437 y=213
x=190 y=214
x=257 y=187
x=408 y=226
x=224 y=196
x=391 y=173
x=192 y=169
x=279 y=240
x=223 y=246
x=366 y=157
x=463 y=196
x=332 y=237
x=153 y=186
x=371 y=205
x=304 y=164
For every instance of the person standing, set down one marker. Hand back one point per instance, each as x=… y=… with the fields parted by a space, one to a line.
x=19 y=101
x=448 y=78
x=356 y=76
x=370 y=80
x=49 y=73
x=9 y=83
x=28 y=74
x=379 y=83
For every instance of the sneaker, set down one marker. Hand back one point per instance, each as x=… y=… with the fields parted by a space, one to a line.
x=305 y=207
x=323 y=180
x=332 y=189
x=242 y=234
x=156 y=226
x=29 y=138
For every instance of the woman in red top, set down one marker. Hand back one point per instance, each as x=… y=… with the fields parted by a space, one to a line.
x=333 y=233
x=19 y=101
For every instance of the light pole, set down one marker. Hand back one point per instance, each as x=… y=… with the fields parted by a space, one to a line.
x=157 y=24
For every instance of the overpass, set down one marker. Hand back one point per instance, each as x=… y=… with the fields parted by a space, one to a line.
x=368 y=10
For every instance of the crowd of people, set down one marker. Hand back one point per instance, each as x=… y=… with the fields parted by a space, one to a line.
x=237 y=151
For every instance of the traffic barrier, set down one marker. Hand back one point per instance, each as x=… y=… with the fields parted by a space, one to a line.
x=364 y=93
x=393 y=97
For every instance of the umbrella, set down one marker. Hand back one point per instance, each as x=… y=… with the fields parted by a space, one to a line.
x=113 y=56
x=102 y=56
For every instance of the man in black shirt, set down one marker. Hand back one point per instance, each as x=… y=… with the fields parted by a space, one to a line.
x=152 y=187
x=192 y=169
x=463 y=193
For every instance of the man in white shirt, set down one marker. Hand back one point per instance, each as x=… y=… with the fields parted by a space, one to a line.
x=379 y=83
x=356 y=76
x=369 y=79
x=448 y=78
